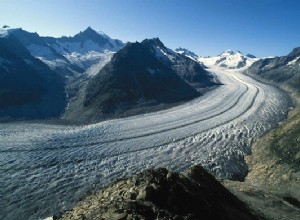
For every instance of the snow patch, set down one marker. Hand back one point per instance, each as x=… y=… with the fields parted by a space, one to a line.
x=294 y=61
x=6 y=31
x=167 y=55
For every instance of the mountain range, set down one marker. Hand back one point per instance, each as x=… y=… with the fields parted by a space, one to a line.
x=90 y=76
x=229 y=59
x=69 y=55
x=28 y=87
x=282 y=70
x=139 y=76
x=95 y=77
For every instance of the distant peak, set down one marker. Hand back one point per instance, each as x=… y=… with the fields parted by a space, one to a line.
x=89 y=30
x=250 y=56
x=6 y=30
x=227 y=52
x=154 y=42
x=185 y=52
x=91 y=33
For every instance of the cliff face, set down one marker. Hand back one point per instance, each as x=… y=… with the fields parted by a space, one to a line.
x=160 y=194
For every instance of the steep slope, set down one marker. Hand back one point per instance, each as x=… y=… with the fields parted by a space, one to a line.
x=161 y=194
x=285 y=72
x=187 y=53
x=272 y=185
x=28 y=88
x=137 y=77
x=89 y=50
x=229 y=59
x=70 y=56
x=189 y=70
x=40 y=49
x=282 y=70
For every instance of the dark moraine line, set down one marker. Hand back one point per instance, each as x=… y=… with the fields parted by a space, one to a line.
x=78 y=161
x=137 y=136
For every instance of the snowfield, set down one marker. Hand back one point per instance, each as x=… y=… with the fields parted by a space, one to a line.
x=46 y=168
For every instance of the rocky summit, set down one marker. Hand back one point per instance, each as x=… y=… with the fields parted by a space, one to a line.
x=161 y=194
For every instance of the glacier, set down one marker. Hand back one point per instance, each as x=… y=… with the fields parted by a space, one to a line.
x=46 y=168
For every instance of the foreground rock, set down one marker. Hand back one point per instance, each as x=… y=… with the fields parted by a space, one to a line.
x=160 y=194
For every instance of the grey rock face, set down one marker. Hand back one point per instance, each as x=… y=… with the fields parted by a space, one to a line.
x=28 y=88
x=282 y=70
x=139 y=76
x=162 y=194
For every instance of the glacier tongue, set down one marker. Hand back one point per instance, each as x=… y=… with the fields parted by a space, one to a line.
x=46 y=168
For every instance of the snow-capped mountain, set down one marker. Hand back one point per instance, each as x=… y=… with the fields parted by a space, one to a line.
x=28 y=88
x=87 y=51
x=187 y=53
x=282 y=70
x=229 y=59
x=138 y=77
x=188 y=69
x=146 y=72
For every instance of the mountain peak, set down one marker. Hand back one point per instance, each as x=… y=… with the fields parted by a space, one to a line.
x=186 y=52
x=89 y=31
x=295 y=52
x=227 y=52
x=250 y=55
x=96 y=36
x=229 y=59
x=6 y=30
x=153 y=42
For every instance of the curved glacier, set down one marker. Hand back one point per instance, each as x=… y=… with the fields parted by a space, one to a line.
x=45 y=168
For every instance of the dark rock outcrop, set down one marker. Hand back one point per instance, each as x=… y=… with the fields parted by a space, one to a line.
x=283 y=70
x=138 y=77
x=28 y=88
x=161 y=194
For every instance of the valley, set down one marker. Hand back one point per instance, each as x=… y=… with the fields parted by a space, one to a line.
x=47 y=168
x=149 y=110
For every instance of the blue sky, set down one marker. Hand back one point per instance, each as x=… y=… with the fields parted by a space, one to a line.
x=207 y=27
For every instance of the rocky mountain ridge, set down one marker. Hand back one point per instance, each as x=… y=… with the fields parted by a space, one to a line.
x=28 y=88
x=281 y=70
x=161 y=194
x=71 y=56
x=139 y=76
x=79 y=61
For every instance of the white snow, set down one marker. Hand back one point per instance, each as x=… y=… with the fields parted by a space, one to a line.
x=294 y=61
x=228 y=59
x=51 y=165
x=103 y=59
x=86 y=54
x=165 y=55
x=6 y=31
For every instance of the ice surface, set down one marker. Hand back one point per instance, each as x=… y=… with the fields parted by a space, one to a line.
x=46 y=168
